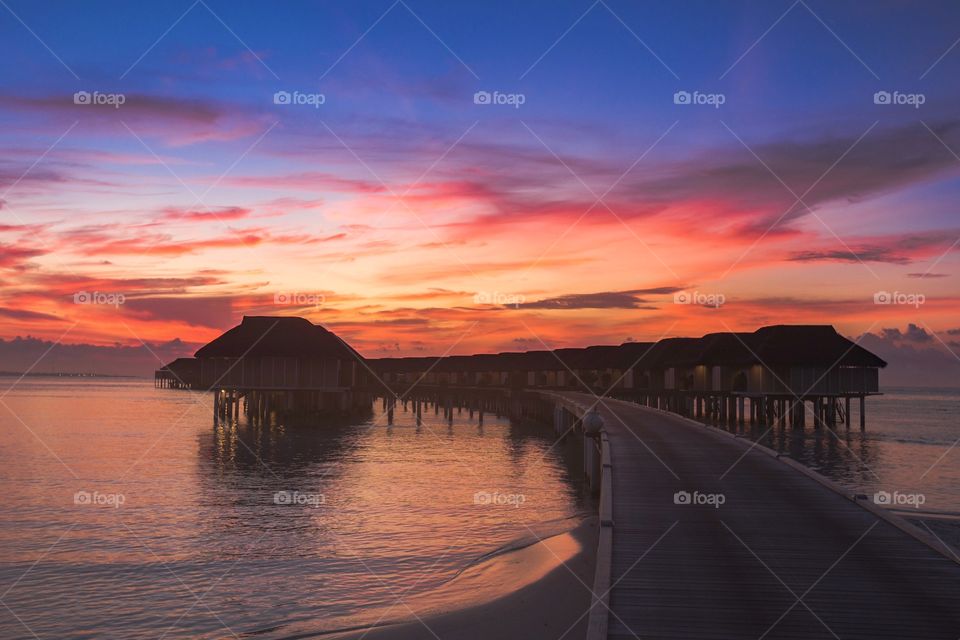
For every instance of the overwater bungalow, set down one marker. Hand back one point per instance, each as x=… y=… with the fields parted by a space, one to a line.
x=182 y=373
x=767 y=375
x=771 y=372
x=283 y=363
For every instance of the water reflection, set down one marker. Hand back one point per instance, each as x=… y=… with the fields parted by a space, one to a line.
x=905 y=446
x=398 y=511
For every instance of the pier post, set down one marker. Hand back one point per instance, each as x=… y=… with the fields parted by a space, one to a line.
x=863 y=413
x=591 y=461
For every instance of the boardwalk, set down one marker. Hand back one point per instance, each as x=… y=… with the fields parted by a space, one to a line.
x=783 y=557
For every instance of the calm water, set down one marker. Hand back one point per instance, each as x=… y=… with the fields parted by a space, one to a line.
x=199 y=543
x=907 y=446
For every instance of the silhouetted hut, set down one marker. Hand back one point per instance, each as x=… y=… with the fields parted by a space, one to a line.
x=282 y=363
x=182 y=373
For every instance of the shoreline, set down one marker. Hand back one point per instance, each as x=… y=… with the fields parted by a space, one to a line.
x=539 y=591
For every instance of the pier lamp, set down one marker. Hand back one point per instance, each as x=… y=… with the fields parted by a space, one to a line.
x=592 y=423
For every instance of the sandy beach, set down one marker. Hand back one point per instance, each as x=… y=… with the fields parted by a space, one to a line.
x=541 y=591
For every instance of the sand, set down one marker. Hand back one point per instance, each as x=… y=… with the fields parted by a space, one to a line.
x=539 y=592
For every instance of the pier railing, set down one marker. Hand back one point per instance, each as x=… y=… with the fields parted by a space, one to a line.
x=598 y=467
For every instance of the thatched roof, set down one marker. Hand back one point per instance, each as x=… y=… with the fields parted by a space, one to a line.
x=259 y=336
x=181 y=365
x=798 y=345
x=809 y=345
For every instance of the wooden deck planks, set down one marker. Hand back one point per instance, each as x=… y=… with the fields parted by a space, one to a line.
x=737 y=571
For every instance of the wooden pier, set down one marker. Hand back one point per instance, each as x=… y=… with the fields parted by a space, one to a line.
x=275 y=366
x=786 y=555
x=765 y=377
x=703 y=534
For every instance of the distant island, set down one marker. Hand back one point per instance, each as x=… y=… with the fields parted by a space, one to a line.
x=62 y=374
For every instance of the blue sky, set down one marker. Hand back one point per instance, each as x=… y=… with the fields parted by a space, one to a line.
x=199 y=197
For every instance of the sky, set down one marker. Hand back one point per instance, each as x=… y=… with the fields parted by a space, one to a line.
x=429 y=177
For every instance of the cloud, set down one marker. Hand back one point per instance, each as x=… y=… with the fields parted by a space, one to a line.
x=928 y=275
x=206 y=215
x=915 y=358
x=11 y=256
x=317 y=181
x=741 y=196
x=20 y=354
x=24 y=314
x=912 y=334
x=178 y=121
x=892 y=249
x=861 y=254
x=207 y=311
x=101 y=240
x=135 y=106
x=602 y=300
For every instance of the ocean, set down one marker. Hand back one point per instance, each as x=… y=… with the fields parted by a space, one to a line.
x=129 y=514
x=909 y=448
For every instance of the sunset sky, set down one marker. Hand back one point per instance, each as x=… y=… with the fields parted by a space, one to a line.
x=412 y=220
